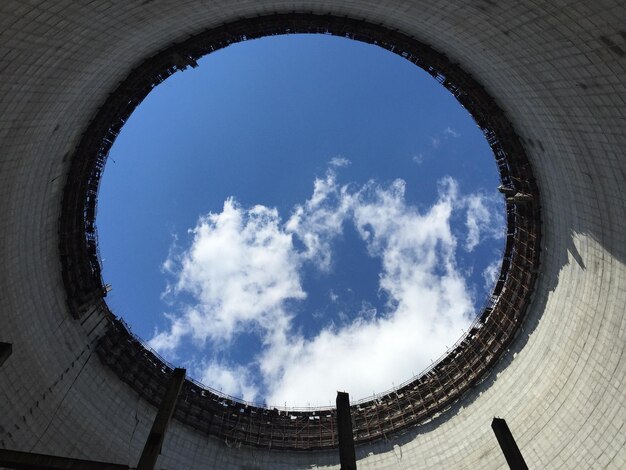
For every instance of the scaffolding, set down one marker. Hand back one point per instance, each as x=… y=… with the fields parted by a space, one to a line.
x=413 y=403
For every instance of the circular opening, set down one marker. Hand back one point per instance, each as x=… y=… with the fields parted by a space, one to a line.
x=409 y=404
x=298 y=215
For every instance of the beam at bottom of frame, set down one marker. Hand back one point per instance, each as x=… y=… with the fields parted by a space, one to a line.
x=28 y=461
x=508 y=445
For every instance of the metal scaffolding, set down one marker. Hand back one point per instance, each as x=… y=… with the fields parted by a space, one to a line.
x=412 y=403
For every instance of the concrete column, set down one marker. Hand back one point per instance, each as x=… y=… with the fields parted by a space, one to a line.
x=508 y=445
x=347 y=456
x=152 y=448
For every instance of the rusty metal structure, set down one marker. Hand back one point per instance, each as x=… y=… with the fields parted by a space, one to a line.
x=388 y=414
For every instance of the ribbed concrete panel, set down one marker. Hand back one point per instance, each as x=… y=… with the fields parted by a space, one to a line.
x=556 y=67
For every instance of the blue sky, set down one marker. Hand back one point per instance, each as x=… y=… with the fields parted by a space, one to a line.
x=300 y=214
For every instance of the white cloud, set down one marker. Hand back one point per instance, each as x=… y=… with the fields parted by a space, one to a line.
x=419 y=158
x=320 y=219
x=243 y=268
x=233 y=380
x=170 y=340
x=428 y=308
x=451 y=132
x=484 y=219
x=339 y=162
x=490 y=273
x=446 y=134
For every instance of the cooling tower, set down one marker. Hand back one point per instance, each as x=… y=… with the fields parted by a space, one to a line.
x=545 y=80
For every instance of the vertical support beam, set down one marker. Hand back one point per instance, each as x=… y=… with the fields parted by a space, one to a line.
x=6 y=349
x=152 y=448
x=508 y=445
x=347 y=457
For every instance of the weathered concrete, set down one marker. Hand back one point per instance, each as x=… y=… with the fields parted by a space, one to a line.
x=556 y=67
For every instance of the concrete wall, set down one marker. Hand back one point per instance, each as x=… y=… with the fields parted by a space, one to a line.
x=556 y=67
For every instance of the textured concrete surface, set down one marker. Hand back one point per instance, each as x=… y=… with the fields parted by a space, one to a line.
x=556 y=67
